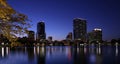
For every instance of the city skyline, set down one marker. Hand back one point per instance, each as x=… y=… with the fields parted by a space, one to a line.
x=58 y=15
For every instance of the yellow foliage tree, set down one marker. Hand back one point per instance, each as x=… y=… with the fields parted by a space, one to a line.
x=12 y=23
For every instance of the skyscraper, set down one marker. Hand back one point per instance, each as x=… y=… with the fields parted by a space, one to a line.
x=95 y=36
x=31 y=35
x=79 y=29
x=97 y=33
x=41 y=35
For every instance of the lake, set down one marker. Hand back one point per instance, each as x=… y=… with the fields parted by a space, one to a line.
x=60 y=55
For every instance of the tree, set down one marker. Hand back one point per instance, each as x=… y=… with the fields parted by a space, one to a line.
x=119 y=40
x=113 y=41
x=12 y=23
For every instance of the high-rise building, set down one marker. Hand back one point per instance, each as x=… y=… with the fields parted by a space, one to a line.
x=79 y=29
x=41 y=35
x=69 y=36
x=31 y=35
x=95 y=35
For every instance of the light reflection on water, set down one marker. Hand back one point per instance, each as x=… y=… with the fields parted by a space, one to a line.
x=60 y=55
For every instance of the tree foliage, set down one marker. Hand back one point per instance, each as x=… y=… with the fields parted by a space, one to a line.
x=12 y=23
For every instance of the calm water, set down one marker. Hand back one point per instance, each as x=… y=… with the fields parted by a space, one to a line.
x=60 y=55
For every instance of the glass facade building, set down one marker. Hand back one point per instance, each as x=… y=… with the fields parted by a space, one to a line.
x=79 y=29
x=41 y=35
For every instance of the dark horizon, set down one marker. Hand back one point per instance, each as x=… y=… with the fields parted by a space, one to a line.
x=58 y=15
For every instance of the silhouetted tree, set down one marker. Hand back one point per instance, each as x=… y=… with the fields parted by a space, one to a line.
x=113 y=41
x=12 y=23
x=119 y=40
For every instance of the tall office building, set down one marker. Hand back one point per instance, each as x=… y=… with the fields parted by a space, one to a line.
x=95 y=35
x=31 y=35
x=41 y=35
x=79 y=29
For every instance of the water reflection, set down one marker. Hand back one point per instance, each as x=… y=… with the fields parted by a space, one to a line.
x=4 y=51
x=80 y=55
x=40 y=55
x=60 y=55
x=116 y=50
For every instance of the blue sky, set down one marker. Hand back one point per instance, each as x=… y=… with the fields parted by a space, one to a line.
x=58 y=15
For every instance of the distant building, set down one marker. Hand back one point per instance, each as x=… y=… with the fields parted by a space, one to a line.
x=95 y=35
x=90 y=37
x=79 y=29
x=69 y=36
x=31 y=35
x=41 y=35
x=50 y=38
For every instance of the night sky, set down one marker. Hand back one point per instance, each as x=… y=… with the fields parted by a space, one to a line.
x=58 y=15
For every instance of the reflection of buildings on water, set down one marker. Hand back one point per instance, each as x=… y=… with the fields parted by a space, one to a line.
x=87 y=54
x=4 y=52
x=41 y=56
x=80 y=55
x=51 y=51
x=76 y=55
x=116 y=50
x=40 y=53
x=58 y=50
x=31 y=56
x=54 y=50
x=112 y=53
x=95 y=49
x=117 y=54
x=35 y=55
x=95 y=54
x=59 y=55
